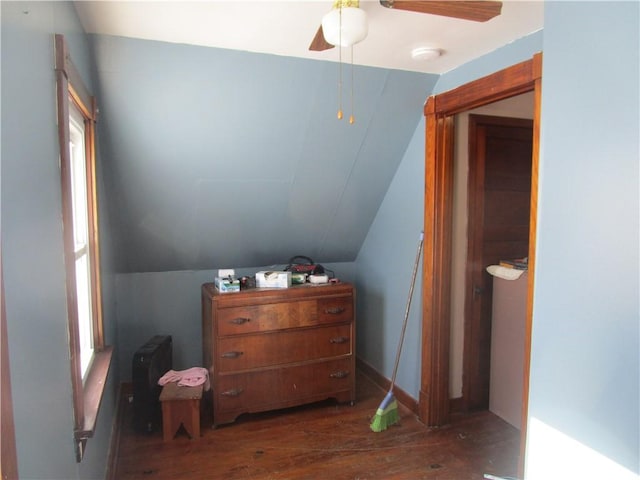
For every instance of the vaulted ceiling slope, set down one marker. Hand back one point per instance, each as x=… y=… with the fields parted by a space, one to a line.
x=218 y=158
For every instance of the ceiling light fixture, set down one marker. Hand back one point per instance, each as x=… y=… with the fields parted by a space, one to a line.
x=425 y=53
x=344 y=26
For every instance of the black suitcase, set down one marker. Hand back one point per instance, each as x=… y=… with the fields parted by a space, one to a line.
x=150 y=362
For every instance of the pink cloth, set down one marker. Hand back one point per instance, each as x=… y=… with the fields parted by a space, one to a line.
x=190 y=377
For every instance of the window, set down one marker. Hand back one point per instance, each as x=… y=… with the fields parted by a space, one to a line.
x=89 y=357
x=80 y=205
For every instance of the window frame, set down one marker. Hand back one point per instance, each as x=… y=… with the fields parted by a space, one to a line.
x=87 y=394
x=81 y=226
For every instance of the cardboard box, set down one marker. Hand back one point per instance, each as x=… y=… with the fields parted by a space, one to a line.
x=226 y=284
x=273 y=279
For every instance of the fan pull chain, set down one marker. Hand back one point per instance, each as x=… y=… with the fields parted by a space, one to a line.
x=340 y=85
x=340 y=113
x=351 y=118
x=340 y=68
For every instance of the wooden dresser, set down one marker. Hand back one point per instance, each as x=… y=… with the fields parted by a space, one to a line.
x=274 y=348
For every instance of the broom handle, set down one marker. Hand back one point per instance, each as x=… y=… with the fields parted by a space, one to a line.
x=406 y=312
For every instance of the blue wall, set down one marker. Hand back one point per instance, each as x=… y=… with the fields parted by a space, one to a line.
x=206 y=168
x=384 y=267
x=585 y=349
x=225 y=157
x=502 y=57
x=32 y=248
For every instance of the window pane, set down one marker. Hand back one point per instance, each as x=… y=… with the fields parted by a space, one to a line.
x=81 y=234
x=78 y=178
x=84 y=312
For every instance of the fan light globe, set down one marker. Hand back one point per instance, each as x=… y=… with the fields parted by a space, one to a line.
x=353 y=22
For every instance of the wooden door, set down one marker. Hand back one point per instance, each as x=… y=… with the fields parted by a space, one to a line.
x=499 y=196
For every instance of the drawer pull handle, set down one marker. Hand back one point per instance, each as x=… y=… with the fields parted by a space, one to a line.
x=234 y=392
x=339 y=374
x=334 y=310
x=240 y=320
x=339 y=340
x=232 y=354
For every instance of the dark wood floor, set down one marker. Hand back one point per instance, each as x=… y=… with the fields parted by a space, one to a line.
x=323 y=441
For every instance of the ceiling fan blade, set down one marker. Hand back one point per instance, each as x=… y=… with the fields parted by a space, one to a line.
x=477 y=11
x=318 y=44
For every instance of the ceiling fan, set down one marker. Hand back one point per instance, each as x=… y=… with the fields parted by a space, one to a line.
x=477 y=11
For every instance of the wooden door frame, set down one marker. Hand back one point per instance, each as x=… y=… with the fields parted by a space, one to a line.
x=439 y=110
x=9 y=456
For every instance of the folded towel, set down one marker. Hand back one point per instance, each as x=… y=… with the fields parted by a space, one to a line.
x=190 y=377
x=505 y=272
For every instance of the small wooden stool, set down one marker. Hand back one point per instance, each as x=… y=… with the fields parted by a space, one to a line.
x=180 y=406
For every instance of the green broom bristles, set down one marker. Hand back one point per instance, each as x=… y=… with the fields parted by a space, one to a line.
x=386 y=415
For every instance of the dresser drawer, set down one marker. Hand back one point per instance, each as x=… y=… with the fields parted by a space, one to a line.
x=276 y=388
x=285 y=315
x=335 y=309
x=252 y=351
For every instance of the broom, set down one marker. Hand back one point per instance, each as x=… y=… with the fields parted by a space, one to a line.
x=387 y=413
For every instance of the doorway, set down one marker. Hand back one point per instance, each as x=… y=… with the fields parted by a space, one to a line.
x=498 y=197
x=433 y=406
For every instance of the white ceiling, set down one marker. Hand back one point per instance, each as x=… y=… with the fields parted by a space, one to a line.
x=287 y=28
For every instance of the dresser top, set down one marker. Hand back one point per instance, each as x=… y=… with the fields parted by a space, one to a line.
x=278 y=294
